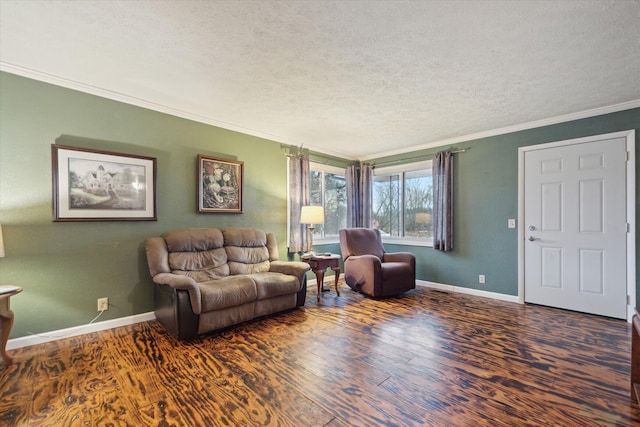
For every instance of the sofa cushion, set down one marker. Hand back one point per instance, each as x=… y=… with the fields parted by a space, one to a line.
x=200 y=266
x=197 y=253
x=193 y=239
x=267 y=306
x=270 y=285
x=227 y=292
x=247 y=260
x=212 y=320
x=246 y=237
x=247 y=251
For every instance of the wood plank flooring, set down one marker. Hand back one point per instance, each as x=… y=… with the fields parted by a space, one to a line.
x=427 y=358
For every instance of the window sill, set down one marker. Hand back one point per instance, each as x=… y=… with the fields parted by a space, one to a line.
x=407 y=241
x=327 y=241
x=385 y=239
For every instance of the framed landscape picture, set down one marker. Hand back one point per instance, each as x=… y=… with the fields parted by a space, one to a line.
x=93 y=185
x=219 y=185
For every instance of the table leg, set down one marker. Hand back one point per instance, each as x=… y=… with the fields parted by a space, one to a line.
x=336 y=271
x=6 y=322
x=320 y=281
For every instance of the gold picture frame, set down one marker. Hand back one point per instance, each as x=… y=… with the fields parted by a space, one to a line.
x=219 y=185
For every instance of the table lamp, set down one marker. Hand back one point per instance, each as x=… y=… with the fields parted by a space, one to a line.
x=311 y=215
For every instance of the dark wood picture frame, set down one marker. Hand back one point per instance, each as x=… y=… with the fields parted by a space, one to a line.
x=219 y=185
x=95 y=185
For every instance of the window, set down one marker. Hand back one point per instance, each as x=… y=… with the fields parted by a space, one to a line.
x=403 y=201
x=328 y=188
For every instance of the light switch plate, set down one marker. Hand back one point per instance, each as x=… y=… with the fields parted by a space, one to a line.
x=511 y=223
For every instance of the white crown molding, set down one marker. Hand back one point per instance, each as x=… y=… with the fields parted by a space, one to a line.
x=78 y=330
x=138 y=102
x=127 y=99
x=515 y=128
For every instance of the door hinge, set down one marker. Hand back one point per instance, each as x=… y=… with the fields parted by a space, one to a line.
x=628 y=299
x=628 y=228
x=628 y=156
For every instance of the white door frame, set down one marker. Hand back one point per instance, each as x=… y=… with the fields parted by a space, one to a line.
x=630 y=136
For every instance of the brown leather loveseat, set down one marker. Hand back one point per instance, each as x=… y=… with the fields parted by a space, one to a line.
x=207 y=278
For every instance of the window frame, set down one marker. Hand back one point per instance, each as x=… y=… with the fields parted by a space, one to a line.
x=324 y=168
x=402 y=170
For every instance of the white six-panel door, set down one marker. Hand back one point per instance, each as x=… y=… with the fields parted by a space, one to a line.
x=574 y=226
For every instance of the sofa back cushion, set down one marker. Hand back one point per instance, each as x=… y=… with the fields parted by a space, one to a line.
x=247 y=251
x=198 y=253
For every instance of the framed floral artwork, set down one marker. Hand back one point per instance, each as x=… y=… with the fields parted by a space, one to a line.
x=94 y=185
x=219 y=185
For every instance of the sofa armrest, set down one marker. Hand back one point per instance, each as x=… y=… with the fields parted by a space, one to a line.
x=157 y=255
x=186 y=283
x=293 y=268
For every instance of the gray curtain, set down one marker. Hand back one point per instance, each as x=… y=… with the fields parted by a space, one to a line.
x=299 y=196
x=353 y=202
x=443 y=201
x=366 y=194
x=359 y=181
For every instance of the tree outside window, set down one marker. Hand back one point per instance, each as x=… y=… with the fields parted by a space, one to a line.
x=403 y=202
x=328 y=189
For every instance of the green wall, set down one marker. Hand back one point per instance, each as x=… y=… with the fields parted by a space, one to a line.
x=65 y=267
x=486 y=196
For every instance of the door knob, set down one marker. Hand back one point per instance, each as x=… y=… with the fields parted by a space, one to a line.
x=531 y=238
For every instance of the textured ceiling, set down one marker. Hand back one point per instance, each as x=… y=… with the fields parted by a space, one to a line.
x=358 y=79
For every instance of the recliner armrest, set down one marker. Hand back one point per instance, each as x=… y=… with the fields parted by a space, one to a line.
x=177 y=281
x=363 y=271
x=407 y=257
x=367 y=262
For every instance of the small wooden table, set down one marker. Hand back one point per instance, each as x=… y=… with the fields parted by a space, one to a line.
x=6 y=320
x=319 y=263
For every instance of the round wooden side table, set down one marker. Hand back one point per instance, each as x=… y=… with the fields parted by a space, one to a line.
x=319 y=263
x=6 y=320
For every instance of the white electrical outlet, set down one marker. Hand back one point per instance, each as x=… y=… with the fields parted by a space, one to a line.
x=481 y=278
x=103 y=304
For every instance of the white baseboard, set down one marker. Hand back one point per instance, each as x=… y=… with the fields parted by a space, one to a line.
x=469 y=291
x=78 y=330
x=450 y=288
x=144 y=317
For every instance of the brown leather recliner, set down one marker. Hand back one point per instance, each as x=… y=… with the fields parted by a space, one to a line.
x=371 y=271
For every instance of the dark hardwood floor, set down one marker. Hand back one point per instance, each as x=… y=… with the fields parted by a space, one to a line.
x=427 y=358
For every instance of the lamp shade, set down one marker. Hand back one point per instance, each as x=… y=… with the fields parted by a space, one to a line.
x=312 y=215
x=1 y=243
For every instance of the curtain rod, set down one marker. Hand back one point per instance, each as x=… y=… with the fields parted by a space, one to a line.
x=323 y=162
x=461 y=150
